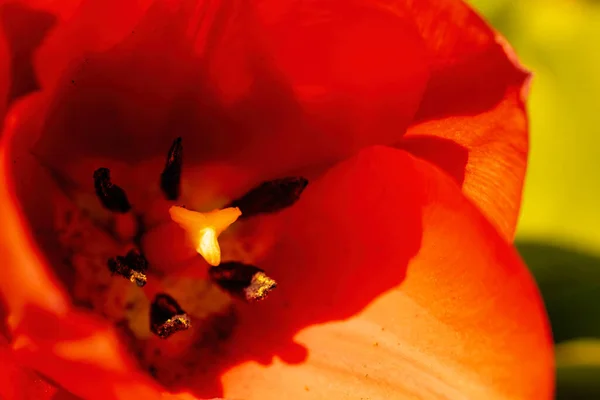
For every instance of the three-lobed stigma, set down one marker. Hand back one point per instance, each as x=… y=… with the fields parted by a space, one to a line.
x=203 y=229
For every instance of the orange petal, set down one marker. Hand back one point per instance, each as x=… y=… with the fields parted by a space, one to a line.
x=475 y=98
x=26 y=282
x=414 y=295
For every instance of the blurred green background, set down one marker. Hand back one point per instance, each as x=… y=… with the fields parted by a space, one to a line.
x=558 y=236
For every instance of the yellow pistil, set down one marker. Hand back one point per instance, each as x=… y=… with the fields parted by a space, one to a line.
x=204 y=229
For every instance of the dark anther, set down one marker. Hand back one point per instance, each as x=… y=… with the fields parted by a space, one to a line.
x=246 y=281
x=170 y=179
x=270 y=196
x=167 y=317
x=111 y=196
x=132 y=267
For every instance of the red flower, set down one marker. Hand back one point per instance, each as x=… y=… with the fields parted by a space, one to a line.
x=396 y=276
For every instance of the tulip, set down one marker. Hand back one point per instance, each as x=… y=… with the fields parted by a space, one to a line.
x=264 y=199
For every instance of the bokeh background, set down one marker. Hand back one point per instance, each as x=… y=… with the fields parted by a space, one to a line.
x=559 y=229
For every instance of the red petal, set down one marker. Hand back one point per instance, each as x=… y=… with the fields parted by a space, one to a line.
x=355 y=68
x=475 y=99
x=429 y=300
x=271 y=84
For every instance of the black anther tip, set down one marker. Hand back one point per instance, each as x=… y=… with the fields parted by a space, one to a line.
x=271 y=196
x=112 y=197
x=170 y=178
x=167 y=317
x=242 y=280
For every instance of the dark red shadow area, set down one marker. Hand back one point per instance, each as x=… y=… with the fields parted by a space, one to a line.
x=130 y=102
x=449 y=156
x=25 y=29
x=469 y=87
x=4 y=331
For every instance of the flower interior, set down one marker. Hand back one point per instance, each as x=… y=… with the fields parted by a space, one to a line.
x=157 y=172
x=161 y=276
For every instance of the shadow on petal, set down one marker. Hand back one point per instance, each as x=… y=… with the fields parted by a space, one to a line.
x=443 y=153
x=472 y=68
x=466 y=88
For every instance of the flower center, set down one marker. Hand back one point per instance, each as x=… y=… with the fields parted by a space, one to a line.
x=178 y=309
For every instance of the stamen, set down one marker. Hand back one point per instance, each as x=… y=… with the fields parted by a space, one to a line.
x=170 y=179
x=203 y=229
x=242 y=280
x=132 y=267
x=270 y=196
x=111 y=196
x=167 y=317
